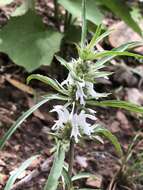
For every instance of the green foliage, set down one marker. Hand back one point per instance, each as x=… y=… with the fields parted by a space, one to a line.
x=57 y=168
x=117 y=104
x=106 y=133
x=15 y=174
x=74 y=7
x=26 y=115
x=28 y=42
x=120 y=8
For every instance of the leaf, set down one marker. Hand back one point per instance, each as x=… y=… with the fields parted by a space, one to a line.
x=117 y=104
x=21 y=119
x=121 y=48
x=82 y=176
x=110 y=137
x=5 y=2
x=97 y=37
x=28 y=43
x=88 y=189
x=53 y=83
x=92 y=56
x=121 y=9
x=17 y=172
x=67 y=179
x=56 y=169
x=74 y=7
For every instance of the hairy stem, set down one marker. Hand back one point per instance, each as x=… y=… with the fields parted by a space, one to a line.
x=84 y=27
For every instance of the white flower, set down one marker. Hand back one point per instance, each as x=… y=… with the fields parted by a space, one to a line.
x=80 y=95
x=63 y=115
x=78 y=122
x=92 y=93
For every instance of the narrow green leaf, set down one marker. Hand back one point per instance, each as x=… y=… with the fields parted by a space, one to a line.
x=53 y=83
x=66 y=177
x=120 y=8
x=89 y=189
x=82 y=176
x=18 y=172
x=117 y=104
x=92 y=56
x=94 y=38
x=56 y=169
x=121 y=48
x=21 y=119
x=84 y=25
x=92 y=11
x=111 y=138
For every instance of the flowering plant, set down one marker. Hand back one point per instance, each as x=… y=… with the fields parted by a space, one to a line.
x=75 y=117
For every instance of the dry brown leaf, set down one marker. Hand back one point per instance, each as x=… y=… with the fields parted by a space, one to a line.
x=20 y=85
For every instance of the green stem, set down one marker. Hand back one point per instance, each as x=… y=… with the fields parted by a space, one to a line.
x=84 y=26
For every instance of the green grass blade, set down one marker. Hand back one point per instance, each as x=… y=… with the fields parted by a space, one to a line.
x=21 y=119
x=106 y=133
x=121 y=48
x=94 y=38
x=84 y=26
x=18 y=172
x=82 y=176
x=56 y=170
x=92 y=56
x=53 y=83
x=117 y=104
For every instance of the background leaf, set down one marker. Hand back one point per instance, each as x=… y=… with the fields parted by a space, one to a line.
x=28 y=43
x=25 y=115
x=56 y=169
x=17 y=172
x=74 y=7
x=120 y=8
x=117 y=104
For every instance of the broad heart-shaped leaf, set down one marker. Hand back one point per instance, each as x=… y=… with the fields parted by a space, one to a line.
x=18 y=172
x=117 y=104
x=25 y=115
x=28 y=43
x=120 y=8
x=57 y=168
x=5 y=2
x=74 y=7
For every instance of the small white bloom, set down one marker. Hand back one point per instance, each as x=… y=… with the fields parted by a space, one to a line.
x=80 y=95
x=78 y=122
x=83 y=124
x=63 y=115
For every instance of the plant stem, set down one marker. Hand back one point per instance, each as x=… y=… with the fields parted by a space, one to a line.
x=84 y=27
x=71 y=157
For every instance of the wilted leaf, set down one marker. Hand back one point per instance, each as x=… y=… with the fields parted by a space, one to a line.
x=28 y=43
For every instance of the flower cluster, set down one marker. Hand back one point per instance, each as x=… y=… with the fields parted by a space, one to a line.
x=77 y=121
x=80 y=85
